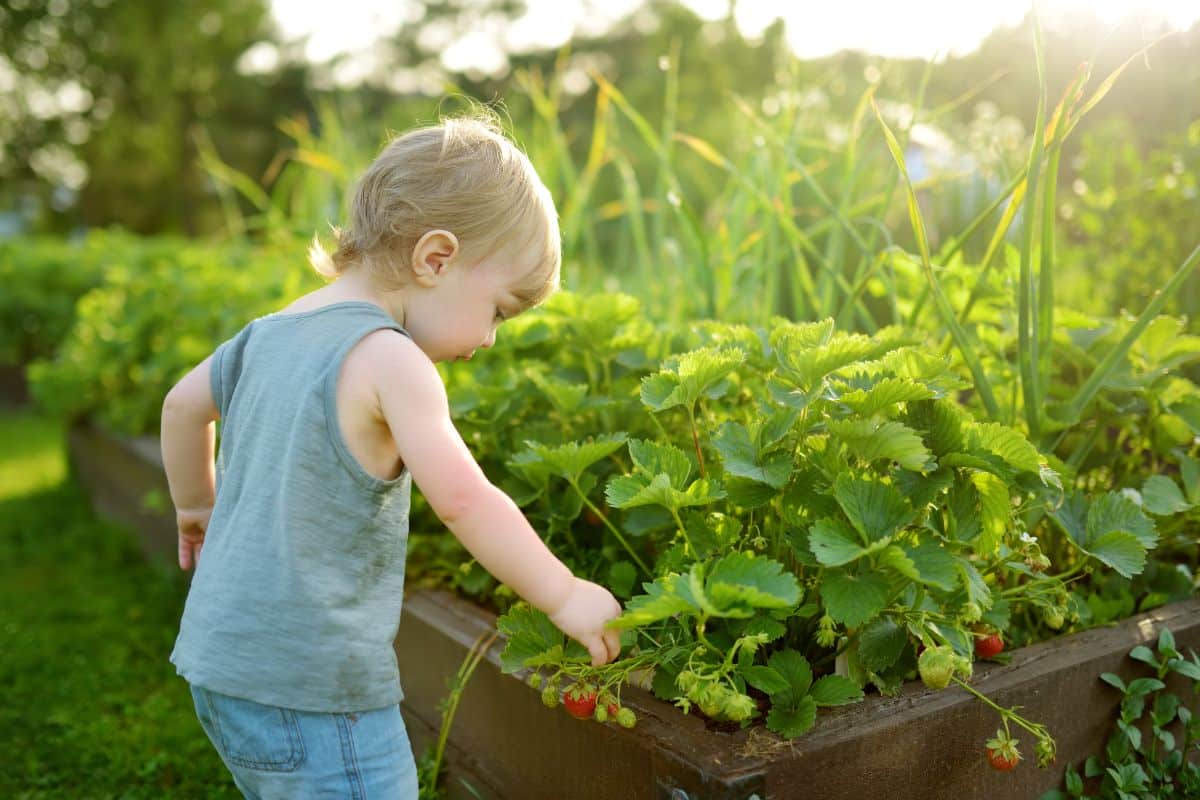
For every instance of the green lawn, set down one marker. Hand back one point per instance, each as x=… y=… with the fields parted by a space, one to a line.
x=91 y=706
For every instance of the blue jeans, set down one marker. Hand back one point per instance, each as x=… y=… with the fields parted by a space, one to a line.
x=281 y=753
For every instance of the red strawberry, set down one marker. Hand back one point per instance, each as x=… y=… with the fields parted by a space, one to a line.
x=580 y=702
x=988 y=646
x=1002 y=752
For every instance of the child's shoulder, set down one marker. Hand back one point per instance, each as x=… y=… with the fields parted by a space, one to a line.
x=394 y=368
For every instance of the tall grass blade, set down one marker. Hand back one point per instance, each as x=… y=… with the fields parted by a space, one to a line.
x=1027 y=355
x=982 y=385
x=1086 y=392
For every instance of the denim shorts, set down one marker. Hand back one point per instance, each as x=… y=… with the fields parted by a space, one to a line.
x=280 y=753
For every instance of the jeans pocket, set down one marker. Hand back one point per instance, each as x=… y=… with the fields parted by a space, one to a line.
x=254 y=735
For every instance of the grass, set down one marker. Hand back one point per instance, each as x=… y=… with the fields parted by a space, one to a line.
x=92 y=707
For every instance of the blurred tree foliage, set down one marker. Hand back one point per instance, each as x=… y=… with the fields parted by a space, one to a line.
x=119 y=90
x=108 y=95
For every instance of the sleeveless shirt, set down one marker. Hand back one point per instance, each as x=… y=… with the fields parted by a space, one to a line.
x=295 y=599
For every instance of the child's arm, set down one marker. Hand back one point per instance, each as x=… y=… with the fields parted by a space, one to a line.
x=188 y=443
x=488 y=523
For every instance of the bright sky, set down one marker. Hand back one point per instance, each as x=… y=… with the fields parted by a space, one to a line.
x=922 y=28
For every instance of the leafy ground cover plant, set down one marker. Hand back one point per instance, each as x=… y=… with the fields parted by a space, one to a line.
x=1148 y=754
x=158 y=311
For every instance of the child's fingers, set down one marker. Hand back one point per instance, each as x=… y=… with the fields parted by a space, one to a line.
x=612 y=640
x=599 y=651
x=185 y=554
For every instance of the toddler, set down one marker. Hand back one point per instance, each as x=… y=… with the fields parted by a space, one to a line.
x=329 y=408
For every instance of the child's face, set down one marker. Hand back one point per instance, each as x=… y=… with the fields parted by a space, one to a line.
x=461 y=312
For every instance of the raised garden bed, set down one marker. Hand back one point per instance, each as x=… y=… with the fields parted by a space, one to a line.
x=506 y=744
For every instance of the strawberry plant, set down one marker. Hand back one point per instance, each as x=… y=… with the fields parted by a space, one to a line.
x=811 y=508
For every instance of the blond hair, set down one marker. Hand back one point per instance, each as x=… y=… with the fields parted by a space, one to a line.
x=462 y=175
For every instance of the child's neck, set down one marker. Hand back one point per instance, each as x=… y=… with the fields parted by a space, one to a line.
x=354 y=285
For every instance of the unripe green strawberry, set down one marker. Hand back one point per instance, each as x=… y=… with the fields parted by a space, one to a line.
x=626 y=718
x=550 y=697
x=600 y=714
x=687 y=680
x=972 y=612
x=1037 y=562
x=937 y=665
x=1054 y=617
x=739 y=707
x=535 y=680
x=826 y=634
x=1045 y=750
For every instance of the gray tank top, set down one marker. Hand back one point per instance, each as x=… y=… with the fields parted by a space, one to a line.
x=296 y=598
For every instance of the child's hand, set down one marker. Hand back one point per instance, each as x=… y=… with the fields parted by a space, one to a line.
x=582 y=617
x=193 y=523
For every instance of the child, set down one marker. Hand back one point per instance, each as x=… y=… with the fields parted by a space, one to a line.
x=329 y=408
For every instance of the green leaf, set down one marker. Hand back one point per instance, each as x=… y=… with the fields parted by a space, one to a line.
x=834 y=542
x=1111 y=529
x=764 y=679
x=1006 y=443
x=743 y=459
x=834 y=690
x=659 y=391
x=1163 y=497
x=894 y=556
x=995 y=509
x=794 y=668
x=741 y=582
x=1189 y=473
x=530 y=635
x=566 y=397
x=885 y=394
x=690 y=376
x=807 y=366
x=877 y=510
x=874 y=439
x=977 y=589
x=653 y=458
x=1189 y=669
x=571 y=459
x=793 y=719
x=1144 y=654
x=1121 y=551
x=630 y=491
x=880 y=644
x=935 y=566
x=853 y=600
x=663 y=599
x=621 y=577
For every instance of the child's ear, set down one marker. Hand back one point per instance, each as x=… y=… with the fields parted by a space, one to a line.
x=431 y=255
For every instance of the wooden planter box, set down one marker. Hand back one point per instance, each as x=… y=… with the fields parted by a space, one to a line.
x=505 y=745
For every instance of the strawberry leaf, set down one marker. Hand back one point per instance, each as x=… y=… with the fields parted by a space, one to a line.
x=742 y=582
x=742 y=458
x=653 y=458
x=794 y=669
x=765 y=679
x=663 y=599
x=854 y=599
x=571 y=459
x=874 y=439
x=875 y=509
x=531 y=635
x=835 y=690
x=834 y=542
x=794 y=718
x=1163 y=497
